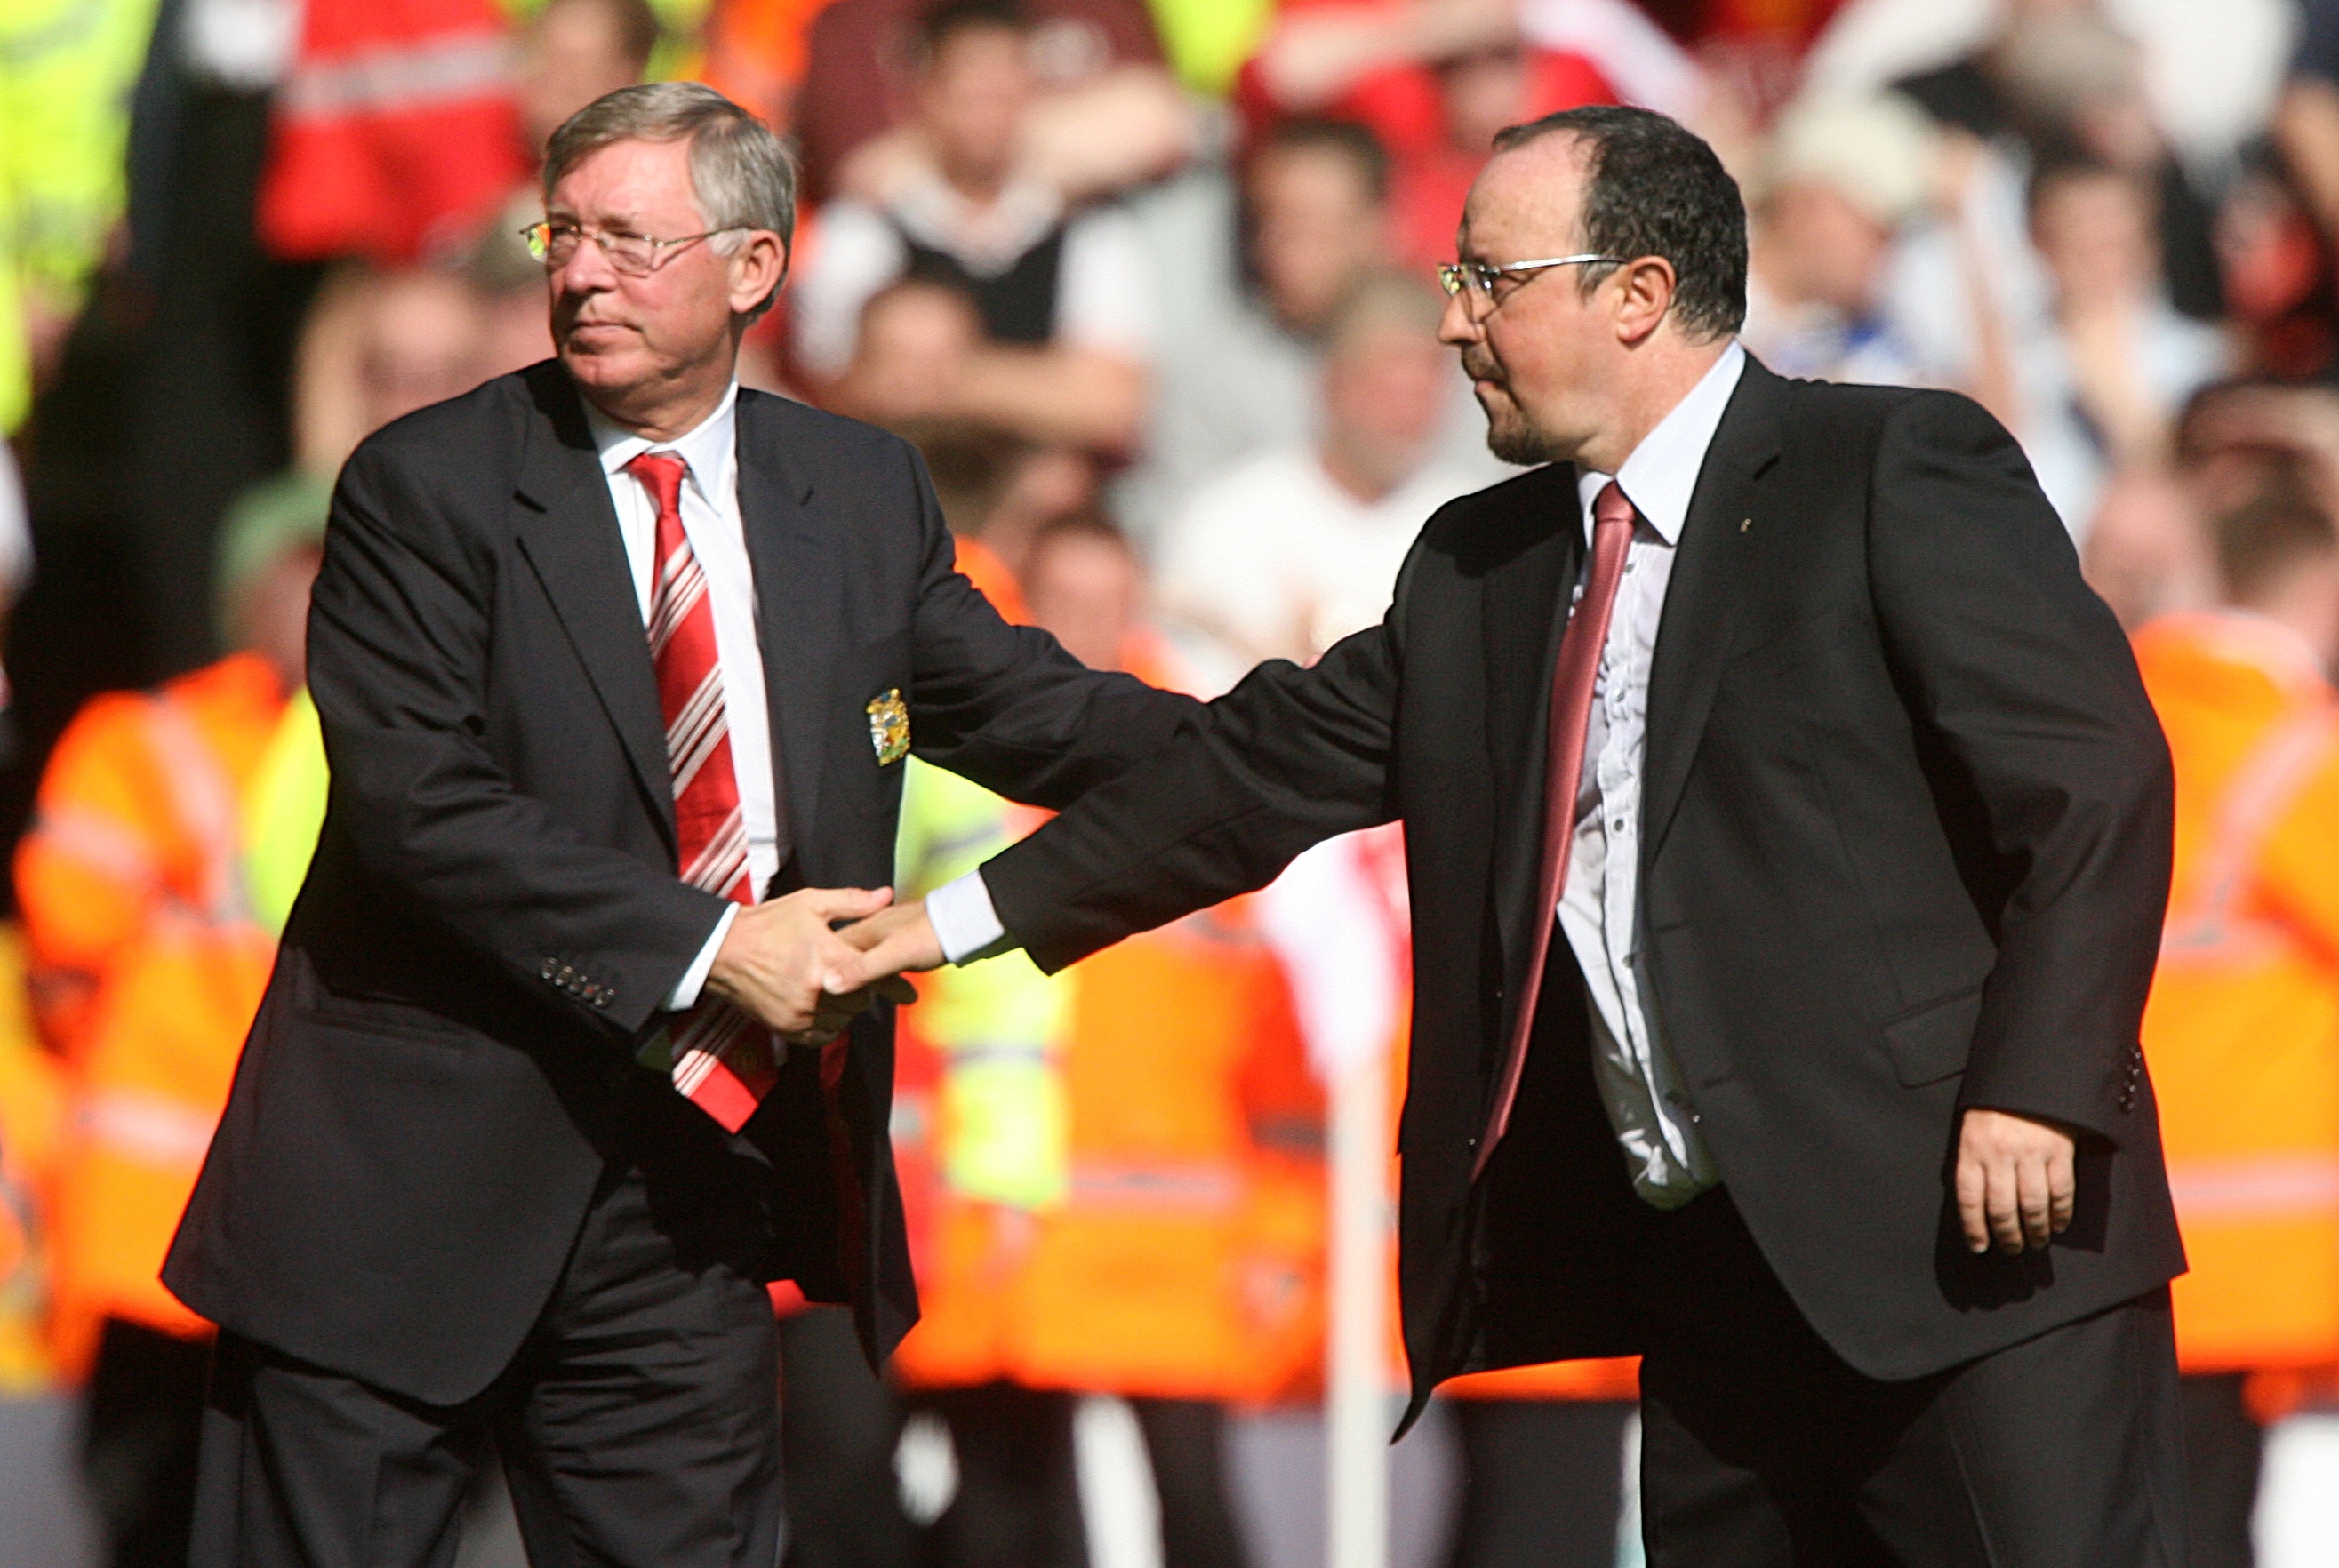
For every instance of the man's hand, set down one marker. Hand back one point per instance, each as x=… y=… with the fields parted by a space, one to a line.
x=883 y=945
x=2016 y=1185
x=775 y=957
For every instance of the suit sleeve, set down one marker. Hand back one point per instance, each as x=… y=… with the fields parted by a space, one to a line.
x=398 y=639
x=1288 y=758
x=2028 y=687
x=1005 y=706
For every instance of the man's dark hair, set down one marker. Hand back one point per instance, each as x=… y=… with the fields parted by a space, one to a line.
x=939 y=24
x=1342 y=138
x=1653 y=188
x=2267 y=538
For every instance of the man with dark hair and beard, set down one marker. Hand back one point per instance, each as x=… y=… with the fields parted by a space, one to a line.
x=1789 y=836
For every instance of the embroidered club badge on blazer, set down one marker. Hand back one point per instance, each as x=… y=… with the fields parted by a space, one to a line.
x=889 y=727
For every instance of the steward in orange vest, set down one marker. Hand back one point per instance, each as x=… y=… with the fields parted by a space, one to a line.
x=2242 y=1031
x=1112 y=1175
x=146 y=965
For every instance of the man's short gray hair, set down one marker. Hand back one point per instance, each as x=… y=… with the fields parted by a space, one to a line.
x=740 y=172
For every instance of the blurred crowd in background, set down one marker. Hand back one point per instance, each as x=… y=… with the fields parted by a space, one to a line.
x=1151 y=285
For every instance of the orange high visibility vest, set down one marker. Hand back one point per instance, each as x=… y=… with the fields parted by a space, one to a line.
x=2242 y=1031
x=147 y=968
x=1185 y=1261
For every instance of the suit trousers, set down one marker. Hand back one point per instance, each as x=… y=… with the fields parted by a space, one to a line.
x=639 y=1425
x=1761 y=1449
x=1543 y=1482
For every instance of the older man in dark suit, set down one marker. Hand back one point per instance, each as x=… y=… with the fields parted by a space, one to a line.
x=1788 y=835
x=614 y=659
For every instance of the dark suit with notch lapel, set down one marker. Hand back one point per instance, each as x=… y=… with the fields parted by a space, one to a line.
x=1904 y=850
x=437 y=1110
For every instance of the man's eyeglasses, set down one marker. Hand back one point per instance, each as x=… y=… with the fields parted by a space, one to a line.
x=1482 y=276
x=553 y=242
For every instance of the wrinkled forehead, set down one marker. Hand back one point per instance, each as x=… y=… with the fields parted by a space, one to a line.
x=1527 y=203
x=635 y=182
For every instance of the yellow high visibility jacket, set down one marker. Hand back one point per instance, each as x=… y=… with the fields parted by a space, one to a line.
x=66 y=69
x=2242 y=1031
x=147 y=968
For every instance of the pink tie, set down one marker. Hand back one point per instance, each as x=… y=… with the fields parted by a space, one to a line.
x=1571 y=716
x=722 y=1059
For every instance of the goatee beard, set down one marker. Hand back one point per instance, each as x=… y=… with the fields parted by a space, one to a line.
x=1515 y=441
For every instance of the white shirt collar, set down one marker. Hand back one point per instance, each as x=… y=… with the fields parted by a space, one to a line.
x=707 y=449
x=1661 y=475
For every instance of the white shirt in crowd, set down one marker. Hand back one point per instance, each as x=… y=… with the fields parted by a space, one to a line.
x=1275 y=560
x=711 y=522
x=1103 y=293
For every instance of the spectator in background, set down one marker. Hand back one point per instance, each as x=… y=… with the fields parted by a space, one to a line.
x=1060 y=297
x=1433 y=81
x=2064 y=82
x=1251 y=276
x=147 y=965
x=1839 y=183
x=1300 y=546
x=2101 y=392
x=2241 y=1032
x=2281 y=288
x=379 y=346
x=571 y=53
x=2146 y=552
x=1105 y=113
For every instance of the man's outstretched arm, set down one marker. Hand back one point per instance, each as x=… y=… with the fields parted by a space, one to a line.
x=1288 y=758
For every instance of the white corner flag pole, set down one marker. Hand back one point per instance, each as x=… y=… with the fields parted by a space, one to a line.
x=1356 y=1403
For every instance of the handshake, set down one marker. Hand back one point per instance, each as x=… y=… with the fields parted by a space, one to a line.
x=792 y=966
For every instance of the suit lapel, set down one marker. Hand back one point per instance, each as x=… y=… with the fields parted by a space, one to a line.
x=568 y=531
x=1724 y=528
x=798 y=589
x=1524 y=617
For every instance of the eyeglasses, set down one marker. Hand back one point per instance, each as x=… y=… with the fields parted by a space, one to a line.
x=1481 y=276
x=554 y=244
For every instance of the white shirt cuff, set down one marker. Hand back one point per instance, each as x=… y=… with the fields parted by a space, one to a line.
x=685 y=994
x=965 y=922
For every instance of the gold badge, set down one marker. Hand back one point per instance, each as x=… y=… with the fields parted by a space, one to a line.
x=889 y=727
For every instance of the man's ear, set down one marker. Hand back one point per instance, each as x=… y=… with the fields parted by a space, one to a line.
x=758 y=268
x=1645 y=295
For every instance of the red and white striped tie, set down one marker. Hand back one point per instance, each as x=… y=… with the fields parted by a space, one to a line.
x=724 y=1061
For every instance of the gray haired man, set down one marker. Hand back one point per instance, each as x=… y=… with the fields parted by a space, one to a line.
x=617 y=664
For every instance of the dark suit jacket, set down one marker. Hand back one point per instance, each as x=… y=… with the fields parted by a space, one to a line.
x=1904 y=844
x=434 y=1083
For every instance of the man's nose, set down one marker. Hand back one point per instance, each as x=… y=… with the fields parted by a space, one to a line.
x=1458 y=326
x=587 y=271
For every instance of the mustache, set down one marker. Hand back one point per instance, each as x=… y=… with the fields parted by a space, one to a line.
x=1481 y=369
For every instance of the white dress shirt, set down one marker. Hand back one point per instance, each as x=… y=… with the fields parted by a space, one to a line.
x=1639 y=1083
x=711 y=521
x=1600 y=911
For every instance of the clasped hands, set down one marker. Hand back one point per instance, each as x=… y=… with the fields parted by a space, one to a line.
x=797 y=966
